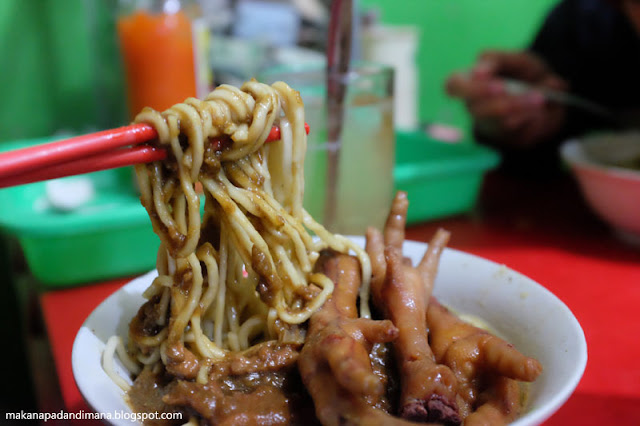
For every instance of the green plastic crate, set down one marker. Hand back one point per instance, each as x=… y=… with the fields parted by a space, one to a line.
x=441 y=179
x=109 y=237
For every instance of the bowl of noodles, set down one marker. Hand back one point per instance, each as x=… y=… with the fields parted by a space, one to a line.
x=516 y=307
x=257 y=314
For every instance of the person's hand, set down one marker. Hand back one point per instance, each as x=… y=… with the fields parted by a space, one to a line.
x=516 y=119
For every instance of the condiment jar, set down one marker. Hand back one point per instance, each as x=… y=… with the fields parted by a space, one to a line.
x=156 y=45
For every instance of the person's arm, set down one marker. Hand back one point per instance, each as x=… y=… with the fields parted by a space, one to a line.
x=502 y=117
x=518 y=121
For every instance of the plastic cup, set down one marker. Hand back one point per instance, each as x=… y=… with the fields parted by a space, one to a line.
x=364 y=187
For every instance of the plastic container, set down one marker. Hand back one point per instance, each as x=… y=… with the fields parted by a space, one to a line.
x=441 y=179
x=109 y=237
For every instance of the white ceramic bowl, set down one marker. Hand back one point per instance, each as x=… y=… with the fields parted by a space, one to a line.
x=524 y=312
x=610 y=188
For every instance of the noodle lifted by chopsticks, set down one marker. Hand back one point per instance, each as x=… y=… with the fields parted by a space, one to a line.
x=242 y=272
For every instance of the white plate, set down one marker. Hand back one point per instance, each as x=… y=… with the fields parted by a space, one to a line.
x=527 y=314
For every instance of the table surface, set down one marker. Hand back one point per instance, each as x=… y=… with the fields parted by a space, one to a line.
x=542 y=229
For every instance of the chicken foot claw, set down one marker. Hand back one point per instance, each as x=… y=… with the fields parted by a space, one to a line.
x=401 y=293
x=345 y=355
x=334 y=363
x=473 y=353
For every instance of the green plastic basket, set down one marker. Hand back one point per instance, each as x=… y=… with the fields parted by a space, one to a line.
x=112 y=237
x=109 y=237
x=441 y=179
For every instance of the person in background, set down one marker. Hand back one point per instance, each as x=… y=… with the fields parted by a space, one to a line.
x=588 y=48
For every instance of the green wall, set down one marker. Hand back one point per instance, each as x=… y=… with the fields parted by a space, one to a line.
x=60 y=67
x=453 y=32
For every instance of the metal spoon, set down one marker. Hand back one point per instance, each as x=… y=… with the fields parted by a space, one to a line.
x=518 y=87
x=338 y=57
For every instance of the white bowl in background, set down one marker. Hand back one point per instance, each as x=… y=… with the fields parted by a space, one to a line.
x=521 y=310
x=607 y=168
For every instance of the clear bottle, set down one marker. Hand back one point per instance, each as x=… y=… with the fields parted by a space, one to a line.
x=156 y=45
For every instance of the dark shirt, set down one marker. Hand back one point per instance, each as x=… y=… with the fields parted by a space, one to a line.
x=594 y=46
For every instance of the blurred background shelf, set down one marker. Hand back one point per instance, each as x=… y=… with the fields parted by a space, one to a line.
x=66 y=73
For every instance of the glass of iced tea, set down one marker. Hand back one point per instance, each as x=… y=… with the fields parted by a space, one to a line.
x=364 y=185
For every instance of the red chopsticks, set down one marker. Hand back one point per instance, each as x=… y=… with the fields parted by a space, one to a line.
x=84 y=154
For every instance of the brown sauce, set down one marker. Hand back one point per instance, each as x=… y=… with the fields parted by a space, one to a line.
x=145 y=396
x=145 y=323
x=262 y=387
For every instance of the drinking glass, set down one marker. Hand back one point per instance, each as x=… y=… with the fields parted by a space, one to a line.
x=364 y=187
